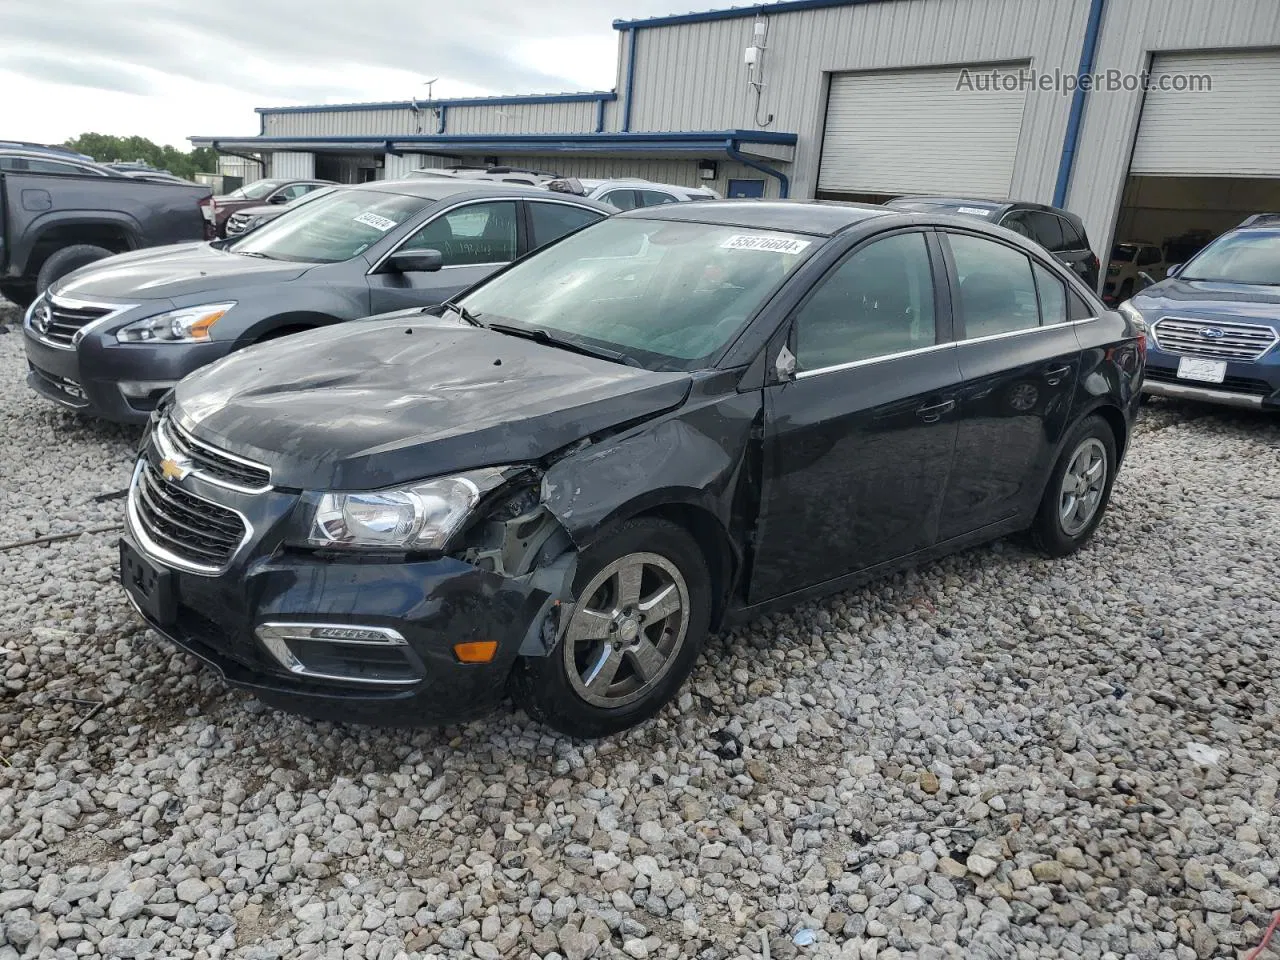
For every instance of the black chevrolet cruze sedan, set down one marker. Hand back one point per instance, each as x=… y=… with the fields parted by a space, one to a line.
x=558 y=483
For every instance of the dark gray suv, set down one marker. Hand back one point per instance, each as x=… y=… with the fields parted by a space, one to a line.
x=112 y=338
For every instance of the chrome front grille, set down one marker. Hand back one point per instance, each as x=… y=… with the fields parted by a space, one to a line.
x=236 y=224
x=1243 y=342
x=209 y=462
x=58 y=321
x=176 y=525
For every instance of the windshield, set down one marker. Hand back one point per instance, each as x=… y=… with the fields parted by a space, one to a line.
x=667 y=294
x=255 y=191
x=336 y=227
x=1124 y=252
x=1238 y=258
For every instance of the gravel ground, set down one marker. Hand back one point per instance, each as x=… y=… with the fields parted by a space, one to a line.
x=995 y=756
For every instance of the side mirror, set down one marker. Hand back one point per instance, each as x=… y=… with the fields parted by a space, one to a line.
x=1174 y=270
x=1146 y=279
x=785 y=366
x=414 y=261
x=277 y=198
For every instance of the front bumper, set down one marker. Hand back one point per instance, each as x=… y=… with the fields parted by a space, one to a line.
x=432 y=604
x=1250 y=386
x=112 y=380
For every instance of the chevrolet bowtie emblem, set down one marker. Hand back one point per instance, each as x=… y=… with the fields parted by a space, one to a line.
x=174 y=470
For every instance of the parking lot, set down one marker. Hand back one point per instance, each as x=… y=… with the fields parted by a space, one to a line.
x=995 y=756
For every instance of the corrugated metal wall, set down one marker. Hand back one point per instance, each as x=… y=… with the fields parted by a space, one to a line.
x=399 y=166
x=692 y=76
x=299 y=165
x=573 y=117
x=680 y=172
x=1132 y=31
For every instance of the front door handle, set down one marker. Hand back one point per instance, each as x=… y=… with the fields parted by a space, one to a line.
x=932 y=412
x=1055 y=375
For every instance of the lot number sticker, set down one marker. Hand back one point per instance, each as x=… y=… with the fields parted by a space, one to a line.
x=745 y=241
x=974 y=211
x=375 y=221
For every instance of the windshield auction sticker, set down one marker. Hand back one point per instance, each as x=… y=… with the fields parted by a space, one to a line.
x=974 y=211
x=747 y=241
x=375 y=221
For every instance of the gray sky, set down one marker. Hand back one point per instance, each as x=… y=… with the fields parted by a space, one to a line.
x=166 y=69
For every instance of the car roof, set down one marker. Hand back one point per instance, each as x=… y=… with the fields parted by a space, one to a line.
x=432 y=188
x=825 y=218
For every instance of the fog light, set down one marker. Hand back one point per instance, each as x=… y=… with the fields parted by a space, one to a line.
x=144 y=389
x=475 y=651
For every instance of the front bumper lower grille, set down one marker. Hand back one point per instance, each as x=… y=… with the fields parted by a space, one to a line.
x=1247 y=385
x=189 y=531
x=1242 y=342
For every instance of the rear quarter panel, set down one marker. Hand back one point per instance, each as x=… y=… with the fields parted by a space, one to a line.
x=150 y=214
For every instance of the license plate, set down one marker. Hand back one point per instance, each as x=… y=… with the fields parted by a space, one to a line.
x=1204 y=371
x=150 y=586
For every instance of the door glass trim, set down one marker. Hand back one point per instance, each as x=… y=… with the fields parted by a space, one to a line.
x=1022 y=333
x=805 y=374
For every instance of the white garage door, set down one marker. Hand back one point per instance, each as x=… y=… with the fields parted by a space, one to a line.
x=1225 y=131
x=915 y=132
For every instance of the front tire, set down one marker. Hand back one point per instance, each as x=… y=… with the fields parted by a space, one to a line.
x=1079 y=489
x=642 y=611
x=61 y=262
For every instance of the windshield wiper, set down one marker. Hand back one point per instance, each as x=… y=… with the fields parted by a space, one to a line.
x=465 y=314
x=253 y=253
x=542 y=336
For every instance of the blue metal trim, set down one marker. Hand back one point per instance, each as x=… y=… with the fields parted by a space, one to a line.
x=600 y=116
x=631 y=81
x=586 y=97
x=707 y=138
x=784 y=182
x=735 y=13
x=1088 y=54
x=444 y=117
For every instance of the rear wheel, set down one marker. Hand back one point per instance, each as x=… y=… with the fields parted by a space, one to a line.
x=61 y=262
x=639 y=621
x=1079 y=489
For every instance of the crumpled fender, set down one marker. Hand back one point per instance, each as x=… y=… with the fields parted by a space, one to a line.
x=693 y=457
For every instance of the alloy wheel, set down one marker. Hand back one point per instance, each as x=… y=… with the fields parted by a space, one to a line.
x=1083 y=484
x=626 y=630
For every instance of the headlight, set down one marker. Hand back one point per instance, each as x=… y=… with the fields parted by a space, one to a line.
x=1132 y=313
x=188 y=325
x=423 y=516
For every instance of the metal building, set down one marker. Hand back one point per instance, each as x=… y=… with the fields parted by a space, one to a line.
x=1173 y=138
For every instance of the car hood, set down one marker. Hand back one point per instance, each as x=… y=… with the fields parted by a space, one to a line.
x=1203 y=300
x=375 y=403
x=171 y=272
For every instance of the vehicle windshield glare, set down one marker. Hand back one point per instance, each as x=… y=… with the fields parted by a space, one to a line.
x=1238 y=258
x=1124 y=252
x=254 y=191
x=334 y=228
x=667 y=294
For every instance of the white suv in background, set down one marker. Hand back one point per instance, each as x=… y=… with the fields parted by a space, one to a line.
x=627 y=193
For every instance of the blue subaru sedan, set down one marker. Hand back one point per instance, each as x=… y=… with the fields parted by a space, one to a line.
x=1215 y=322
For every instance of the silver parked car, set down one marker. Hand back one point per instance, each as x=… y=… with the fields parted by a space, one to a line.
x=628 y=193
x=242 y=221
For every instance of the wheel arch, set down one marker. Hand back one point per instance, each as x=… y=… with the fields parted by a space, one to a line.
x=283 y=324
x=722 y=557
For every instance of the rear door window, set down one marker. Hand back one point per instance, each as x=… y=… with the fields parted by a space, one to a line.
x=1053 y=296
x=1046 y=230
x=622 y=199
x=652 y=198
x=997 y=289
x=1072 y=239
x=551 y=221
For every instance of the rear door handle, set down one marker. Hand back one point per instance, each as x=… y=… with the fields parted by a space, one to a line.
x=1054 y=375
x=932 y=413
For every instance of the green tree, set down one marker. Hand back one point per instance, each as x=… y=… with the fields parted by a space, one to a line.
x=106 y=148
